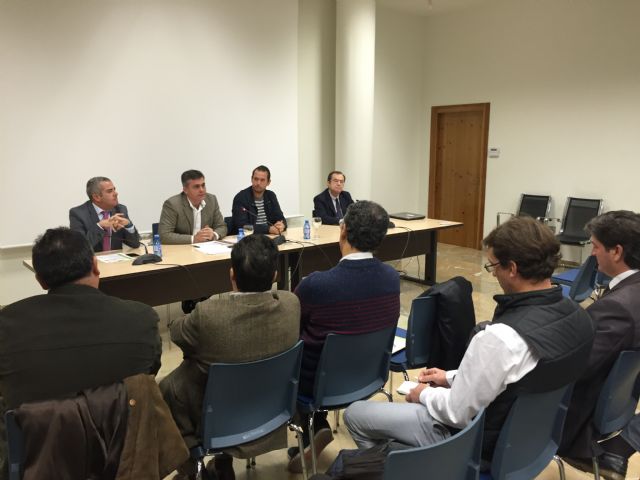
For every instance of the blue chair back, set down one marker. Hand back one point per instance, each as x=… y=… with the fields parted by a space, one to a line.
x=530 y=435
x=585 y=280
x=419 y=335
x=15 y=445
x=246 y=401
x=352 y=367
x=456 y=458
x=618 y=397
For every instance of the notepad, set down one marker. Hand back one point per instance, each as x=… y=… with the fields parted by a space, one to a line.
x=406 y=387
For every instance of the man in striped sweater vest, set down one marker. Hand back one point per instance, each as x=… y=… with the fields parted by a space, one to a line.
x=359 y=295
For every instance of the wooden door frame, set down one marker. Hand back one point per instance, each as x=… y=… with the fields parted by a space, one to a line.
x=484 y=109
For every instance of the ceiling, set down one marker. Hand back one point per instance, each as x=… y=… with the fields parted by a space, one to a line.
x=427 y=7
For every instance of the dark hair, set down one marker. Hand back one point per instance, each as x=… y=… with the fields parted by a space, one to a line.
x=93 y=186
x=531 y=245
x=254 y=260
x=366 y=223
x=190 y=175
x=336 y=172
x=261 y=168
x=61 y=256
x=620 y=227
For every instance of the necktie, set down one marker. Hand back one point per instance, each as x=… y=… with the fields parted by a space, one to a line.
x=106 y=240
x=338 y=209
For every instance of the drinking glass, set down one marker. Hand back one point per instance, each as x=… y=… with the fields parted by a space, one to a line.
x=248 y=229
x=316 y=223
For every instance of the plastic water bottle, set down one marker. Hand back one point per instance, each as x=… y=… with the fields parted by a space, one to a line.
x=157 y=246
x=307 y=230
x=240 y=234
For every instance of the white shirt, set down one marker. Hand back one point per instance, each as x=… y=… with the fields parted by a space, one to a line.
x=496 y=357
x=197 y=219
x=621 y=276
x=357 y=256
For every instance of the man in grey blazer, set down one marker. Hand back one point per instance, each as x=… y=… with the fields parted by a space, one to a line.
x=615 y=237
x=102 y=220
x=193 y=215
x=251 y=323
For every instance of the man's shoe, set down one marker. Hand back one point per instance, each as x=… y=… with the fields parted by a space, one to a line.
x=222 y=466
x=321 y=439
x=611 y=466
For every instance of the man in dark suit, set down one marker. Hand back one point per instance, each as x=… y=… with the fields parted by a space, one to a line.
x=615 y=237
x=193 y=215
x=102 y=220
x=258 y=206
x=75 y=337
x=331 y=205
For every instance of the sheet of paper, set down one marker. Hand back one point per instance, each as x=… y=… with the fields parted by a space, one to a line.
x=406 y=387
x=398 y=344
x=213 y=248
x=113 y=257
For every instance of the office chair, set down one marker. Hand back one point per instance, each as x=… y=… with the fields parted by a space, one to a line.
x=264 y=402
x=228 y=221
x=351 y=368
x=618 y=399
x=419 y=335
x=530 y=436
x=456 y=458
x=584 y=281
x=15 y=442
x=536 y=206
x=577 y=213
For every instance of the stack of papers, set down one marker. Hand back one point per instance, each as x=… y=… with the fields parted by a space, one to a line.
x=213 y=248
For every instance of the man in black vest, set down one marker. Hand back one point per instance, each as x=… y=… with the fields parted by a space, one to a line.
x=615 y=237
x=537 y=340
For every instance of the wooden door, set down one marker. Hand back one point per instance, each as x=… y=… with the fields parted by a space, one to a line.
x=457 y=170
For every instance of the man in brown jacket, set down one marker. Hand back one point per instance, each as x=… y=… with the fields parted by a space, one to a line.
x=251 y=323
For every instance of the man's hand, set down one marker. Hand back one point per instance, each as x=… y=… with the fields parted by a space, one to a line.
x=433 y=376
x=277 y=228
x=206 y=234
x=414 y=395
x=118 y=221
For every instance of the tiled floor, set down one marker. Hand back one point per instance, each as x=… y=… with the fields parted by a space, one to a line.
x=452 y=261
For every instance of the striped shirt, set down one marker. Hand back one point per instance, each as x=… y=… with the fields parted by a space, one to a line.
x=261 y=217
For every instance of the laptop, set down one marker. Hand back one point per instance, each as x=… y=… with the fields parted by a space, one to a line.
x=407 y=216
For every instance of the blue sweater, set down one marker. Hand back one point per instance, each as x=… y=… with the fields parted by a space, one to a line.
x=355 y=296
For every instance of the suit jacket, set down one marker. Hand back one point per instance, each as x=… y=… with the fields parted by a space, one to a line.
x=84 y=219
x=616 y=317
x=324 y=207
x=73 y=338
x=176 y=219
x=230 y=329
x=244 y=200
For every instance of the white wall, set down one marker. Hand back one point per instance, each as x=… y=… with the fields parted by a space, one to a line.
x=316 y=97
x=400 y=155
x=563 y=80
x=140 y=91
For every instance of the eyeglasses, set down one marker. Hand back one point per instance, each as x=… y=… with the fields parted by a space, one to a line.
x=490 y=267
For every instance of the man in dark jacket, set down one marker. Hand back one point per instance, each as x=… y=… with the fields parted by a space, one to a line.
x=75 y=337
x=331 y=204
x=615 y=237
x=537 y=340
x=258 y=206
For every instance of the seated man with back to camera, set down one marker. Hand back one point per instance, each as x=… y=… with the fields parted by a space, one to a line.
x=251 y=323
x=75 y=337
x=332 y=204
x=537 y=341
x=359 y=295
x=615 y=238
x=258 y=206
x=102 y=220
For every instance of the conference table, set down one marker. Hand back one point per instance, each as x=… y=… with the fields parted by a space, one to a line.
x=185 y=272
